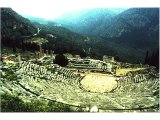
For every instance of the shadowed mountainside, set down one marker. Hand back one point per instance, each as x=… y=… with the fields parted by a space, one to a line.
x=16 y=30
x=127 y=35
x=133 y=27
x=132 y=32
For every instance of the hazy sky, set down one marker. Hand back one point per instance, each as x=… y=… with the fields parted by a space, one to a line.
x=54 y=8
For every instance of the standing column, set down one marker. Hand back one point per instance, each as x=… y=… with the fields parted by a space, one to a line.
x=46 y=52
x=19 y=58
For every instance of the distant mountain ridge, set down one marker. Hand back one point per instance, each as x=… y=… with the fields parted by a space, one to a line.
x=132 y=26
x=136 y=28
x=83 y=21
x=127 y=35
x=16 y=29
x=87 y=20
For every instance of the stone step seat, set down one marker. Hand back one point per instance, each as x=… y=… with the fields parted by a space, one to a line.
x=136 y=87
x=124 y=86
x=70 y=75
x=22 y=90
x=139 y=78
x=149 y=83
x=34 y=85
x=11 y=85
x=84 y=67
x=55 y=80
x=32 y=89
x=120 y=85
x=66 y=73
x=155 y=84
x=5 y=90
x=133 y=87
x=148 y=86
x=25 y=83
x=80 y=64
x=139 y=87
x=7 y=85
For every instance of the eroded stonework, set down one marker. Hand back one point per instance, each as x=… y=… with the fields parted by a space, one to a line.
x=137 y=91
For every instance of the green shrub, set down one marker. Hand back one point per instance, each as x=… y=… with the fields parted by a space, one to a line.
x=10 y=103
x=58 y=107
x=36 y=106
x=61 y=60
x=8 y=74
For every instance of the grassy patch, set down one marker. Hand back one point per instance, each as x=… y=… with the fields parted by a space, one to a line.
x=10 y=103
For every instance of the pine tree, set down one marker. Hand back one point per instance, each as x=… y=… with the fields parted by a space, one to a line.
x=61 y=60
x=156 y=63
x=146 y=58
x=152 y=59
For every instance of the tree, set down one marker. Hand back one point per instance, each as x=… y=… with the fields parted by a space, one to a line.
x=146 y=58
x=152 y=59
x=61 y=60
x=156 y=59
x=82 y=54
x=39 y=41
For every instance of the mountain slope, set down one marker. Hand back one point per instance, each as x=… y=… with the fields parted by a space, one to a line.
x=16 y=30
x=132 y=32
x=134 y=27
x=85 y=21
x=14 y=27
x=123 y=38
x=12 y=23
